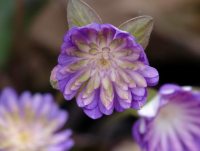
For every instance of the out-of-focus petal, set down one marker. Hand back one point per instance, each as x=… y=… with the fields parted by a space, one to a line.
x=32 y=122
x=170 y=121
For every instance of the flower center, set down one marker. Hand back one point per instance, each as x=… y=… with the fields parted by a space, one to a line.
x=105 y=52
x=24 y=137
x=101 y=57
x=21 y=137
x=169 y=115
x=104 y=59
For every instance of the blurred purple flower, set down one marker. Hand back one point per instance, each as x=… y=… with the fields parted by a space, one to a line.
x=31 y=122
x=104 y=68
x=171 y=121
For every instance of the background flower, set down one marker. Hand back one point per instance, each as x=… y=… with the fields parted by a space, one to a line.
x=32 y=122
x=171 y=121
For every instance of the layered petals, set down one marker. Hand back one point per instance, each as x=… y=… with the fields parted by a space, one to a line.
x=104 y=68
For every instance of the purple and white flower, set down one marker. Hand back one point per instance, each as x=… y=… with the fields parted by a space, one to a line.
x=32 y=123
x=104 y=68
x=170 y=122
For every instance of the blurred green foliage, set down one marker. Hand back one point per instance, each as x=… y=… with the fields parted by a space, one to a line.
x=6 y=29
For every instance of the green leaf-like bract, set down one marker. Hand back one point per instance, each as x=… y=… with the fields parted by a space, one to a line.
x=140 y=27
x=80 y=14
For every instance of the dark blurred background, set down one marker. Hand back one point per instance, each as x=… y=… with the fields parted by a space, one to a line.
x=31 y=32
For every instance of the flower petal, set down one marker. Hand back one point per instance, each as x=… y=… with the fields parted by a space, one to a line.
x=93 y=113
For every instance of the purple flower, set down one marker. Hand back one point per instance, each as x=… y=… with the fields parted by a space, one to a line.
x=170 y=122
x=32 y=123
x=104 y=68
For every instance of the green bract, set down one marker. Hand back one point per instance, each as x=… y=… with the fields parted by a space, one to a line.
x=80 y=14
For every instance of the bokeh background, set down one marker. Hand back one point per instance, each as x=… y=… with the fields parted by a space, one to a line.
x=31 y=32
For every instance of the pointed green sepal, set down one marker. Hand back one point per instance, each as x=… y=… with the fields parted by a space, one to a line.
x=80 y=14
x=140 y=27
